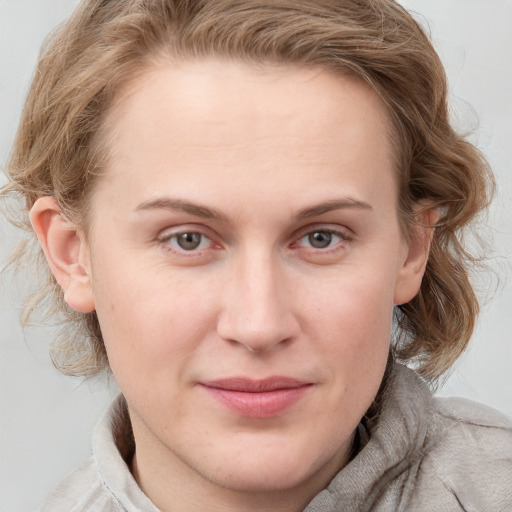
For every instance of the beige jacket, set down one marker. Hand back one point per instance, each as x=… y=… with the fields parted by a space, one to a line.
x=422 y=454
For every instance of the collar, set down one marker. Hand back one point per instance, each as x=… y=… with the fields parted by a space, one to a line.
x=395 y=438
x=390 y=438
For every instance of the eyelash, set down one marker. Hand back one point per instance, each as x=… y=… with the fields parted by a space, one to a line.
x=166 y=241
x=342 y=237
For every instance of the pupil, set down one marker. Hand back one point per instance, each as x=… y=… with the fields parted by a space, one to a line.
x=189 y=241
x=320 y=239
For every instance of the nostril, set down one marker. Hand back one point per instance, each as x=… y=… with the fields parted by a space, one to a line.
x=265 y=337
x=255 y=311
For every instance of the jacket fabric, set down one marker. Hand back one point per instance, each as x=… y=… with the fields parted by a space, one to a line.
x=420 y=453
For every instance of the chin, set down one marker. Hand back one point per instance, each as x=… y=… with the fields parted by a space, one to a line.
x=267 y=479
x=277 y=470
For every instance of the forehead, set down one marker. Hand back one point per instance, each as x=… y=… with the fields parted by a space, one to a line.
x=218 y=92
x=227 y=119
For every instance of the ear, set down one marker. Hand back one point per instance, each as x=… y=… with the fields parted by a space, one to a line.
x=66 y=251
x=416 y=252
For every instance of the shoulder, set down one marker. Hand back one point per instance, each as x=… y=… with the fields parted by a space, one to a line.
x=469 y=413
x=455 y=454
x=83 y=490
x=104 y=483
x=471 y=432
x=469 y=453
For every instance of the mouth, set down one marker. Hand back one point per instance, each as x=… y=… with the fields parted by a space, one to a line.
x=259 y=398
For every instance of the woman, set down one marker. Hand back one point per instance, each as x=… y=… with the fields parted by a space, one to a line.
x=234 y=199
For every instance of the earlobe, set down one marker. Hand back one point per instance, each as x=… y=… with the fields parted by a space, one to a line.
x=415 y=260
x=66 y=253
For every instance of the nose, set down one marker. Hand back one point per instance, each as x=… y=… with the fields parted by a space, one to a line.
x=257 y=311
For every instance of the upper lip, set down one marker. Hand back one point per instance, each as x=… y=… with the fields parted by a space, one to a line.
x=243 y=384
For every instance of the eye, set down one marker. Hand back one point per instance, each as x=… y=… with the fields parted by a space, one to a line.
x=321 y=239
x=187 y=241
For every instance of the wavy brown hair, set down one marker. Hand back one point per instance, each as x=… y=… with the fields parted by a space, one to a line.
x=61 y=147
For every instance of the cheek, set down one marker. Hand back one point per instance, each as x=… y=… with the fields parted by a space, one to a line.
x=349 y=328
x=352 y=325
x=353 y=305
x=151 y=320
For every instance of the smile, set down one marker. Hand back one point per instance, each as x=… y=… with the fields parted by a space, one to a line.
x=257 y=398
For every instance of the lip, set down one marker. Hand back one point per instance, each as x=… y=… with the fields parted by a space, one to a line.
x=257 y=398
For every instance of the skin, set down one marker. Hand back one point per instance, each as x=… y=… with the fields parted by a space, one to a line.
x=254 y=161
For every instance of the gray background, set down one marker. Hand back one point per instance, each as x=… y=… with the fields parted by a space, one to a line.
x=46 y=419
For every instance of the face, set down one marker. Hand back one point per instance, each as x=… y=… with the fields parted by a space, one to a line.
x=244 y=259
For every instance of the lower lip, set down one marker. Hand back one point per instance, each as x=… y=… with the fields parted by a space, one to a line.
x=264 y=404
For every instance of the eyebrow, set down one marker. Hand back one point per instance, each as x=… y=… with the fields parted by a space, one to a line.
x=205 y=212
x=334 y=204
x=167 y=203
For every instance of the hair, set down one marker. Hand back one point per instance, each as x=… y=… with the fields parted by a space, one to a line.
x=60 y=149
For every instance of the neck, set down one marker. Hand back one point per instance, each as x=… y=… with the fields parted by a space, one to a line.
x=180 y=495
x=173 y=486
